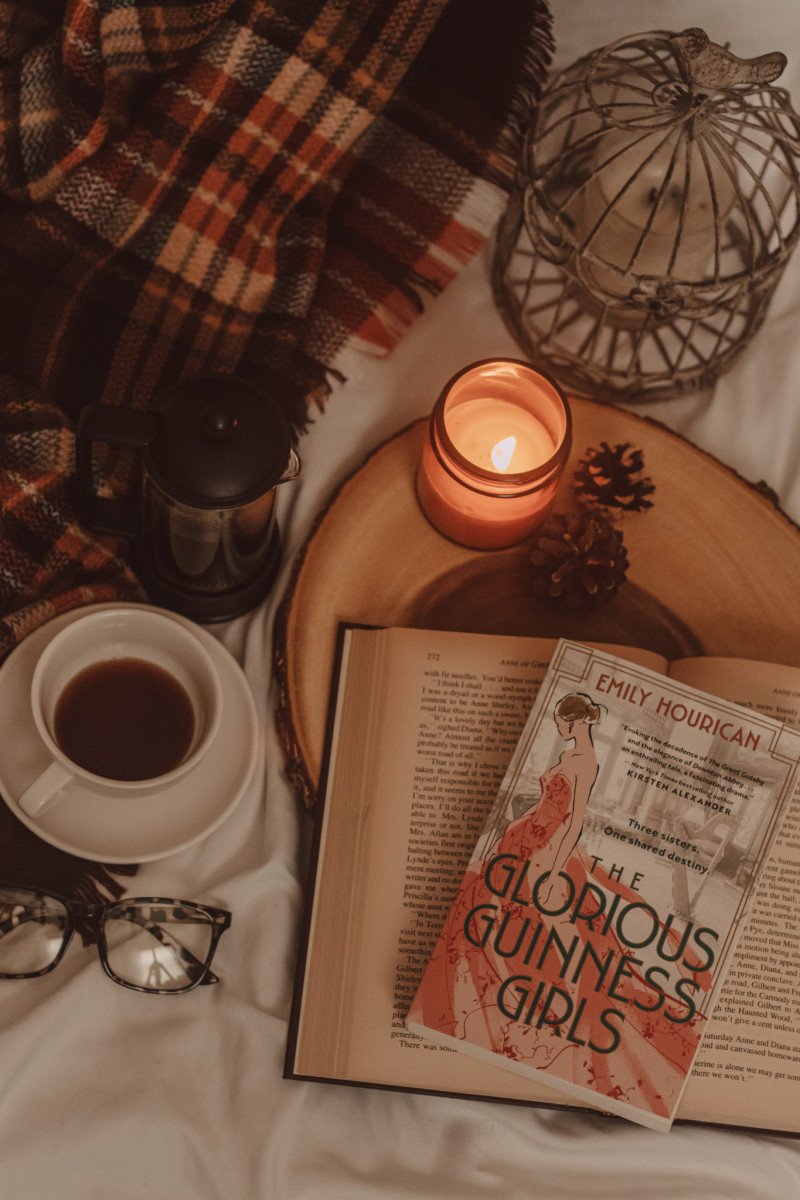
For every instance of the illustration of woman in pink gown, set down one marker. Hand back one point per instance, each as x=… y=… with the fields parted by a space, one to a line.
x=520 y=969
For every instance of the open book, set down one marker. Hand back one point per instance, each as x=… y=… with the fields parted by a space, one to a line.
x=422 y=728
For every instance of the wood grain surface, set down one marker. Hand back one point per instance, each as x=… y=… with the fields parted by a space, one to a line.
x=715 y=569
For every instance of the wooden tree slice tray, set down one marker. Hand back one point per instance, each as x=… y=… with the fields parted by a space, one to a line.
x=715 y=569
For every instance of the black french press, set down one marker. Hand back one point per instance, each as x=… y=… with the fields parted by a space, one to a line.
x=213 y=449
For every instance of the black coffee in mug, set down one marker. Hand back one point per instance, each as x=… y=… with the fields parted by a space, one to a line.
x=125 y=719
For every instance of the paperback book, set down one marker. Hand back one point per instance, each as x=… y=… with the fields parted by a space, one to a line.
x=587 y=947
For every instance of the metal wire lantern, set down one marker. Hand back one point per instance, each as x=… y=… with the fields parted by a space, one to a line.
x=655 y=206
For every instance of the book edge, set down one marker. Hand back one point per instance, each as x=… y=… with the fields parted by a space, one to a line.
x=298 y=986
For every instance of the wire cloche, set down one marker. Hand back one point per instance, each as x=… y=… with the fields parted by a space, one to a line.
x=655 y=206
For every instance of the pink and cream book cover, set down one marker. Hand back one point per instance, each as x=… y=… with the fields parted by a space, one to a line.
x=592 y=931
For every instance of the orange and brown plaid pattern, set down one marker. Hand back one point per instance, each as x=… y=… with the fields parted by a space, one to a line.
x=226 y=185
x=48 y=563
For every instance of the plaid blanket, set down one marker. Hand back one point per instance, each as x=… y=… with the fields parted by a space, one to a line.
x=223 y=185
x=229 y=185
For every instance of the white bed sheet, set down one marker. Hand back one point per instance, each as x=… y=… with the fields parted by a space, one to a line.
x=109 y=1095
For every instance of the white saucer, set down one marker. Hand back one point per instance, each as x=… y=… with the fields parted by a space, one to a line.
x=138 y=827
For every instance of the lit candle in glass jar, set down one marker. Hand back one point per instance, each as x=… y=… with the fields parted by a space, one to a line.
x=498 y=440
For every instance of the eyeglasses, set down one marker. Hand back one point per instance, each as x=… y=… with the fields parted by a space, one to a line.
x=150 y=944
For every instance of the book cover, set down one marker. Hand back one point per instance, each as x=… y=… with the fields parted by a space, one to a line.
x=592 y=931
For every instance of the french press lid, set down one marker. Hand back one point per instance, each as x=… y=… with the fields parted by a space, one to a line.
x=221 y=442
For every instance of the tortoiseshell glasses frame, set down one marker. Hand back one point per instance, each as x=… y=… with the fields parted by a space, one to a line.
x=143 y=941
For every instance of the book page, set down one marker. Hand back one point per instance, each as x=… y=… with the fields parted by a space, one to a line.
x=752 y=1047
x=405 y=802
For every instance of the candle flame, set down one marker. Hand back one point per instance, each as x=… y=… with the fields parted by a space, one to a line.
x=503 y=452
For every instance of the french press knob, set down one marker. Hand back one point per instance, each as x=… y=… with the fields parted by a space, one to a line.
x=213 y=449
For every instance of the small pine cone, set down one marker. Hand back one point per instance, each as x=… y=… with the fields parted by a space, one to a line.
x=579 y=560
x=611 y=478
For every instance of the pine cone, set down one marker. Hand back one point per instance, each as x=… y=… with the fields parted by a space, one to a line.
x=606 y=478
x=579 y=560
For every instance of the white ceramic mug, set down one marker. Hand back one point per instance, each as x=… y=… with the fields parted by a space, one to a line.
x=119 y=633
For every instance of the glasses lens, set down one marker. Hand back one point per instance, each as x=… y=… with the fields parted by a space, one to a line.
x=33 y=927
x=161 y=947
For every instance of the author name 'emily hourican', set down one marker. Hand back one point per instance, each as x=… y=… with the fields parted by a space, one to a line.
x=676 y=711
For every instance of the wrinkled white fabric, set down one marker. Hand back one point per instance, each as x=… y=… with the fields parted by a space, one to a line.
x=109 y=1095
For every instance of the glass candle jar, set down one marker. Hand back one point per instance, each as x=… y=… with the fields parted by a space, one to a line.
x=498 y=441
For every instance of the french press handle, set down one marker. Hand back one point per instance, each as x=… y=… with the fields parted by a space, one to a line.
x=114 y=427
